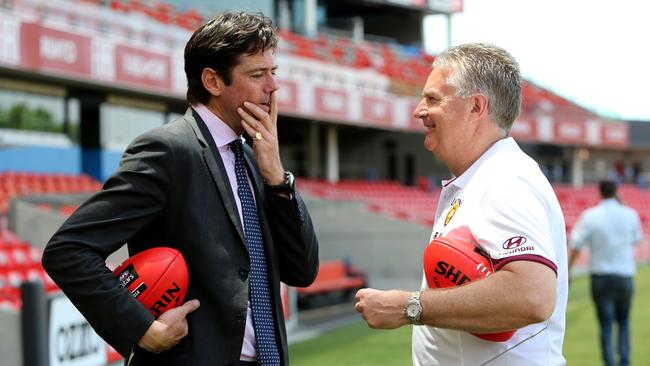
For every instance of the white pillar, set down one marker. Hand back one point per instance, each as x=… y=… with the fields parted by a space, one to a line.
x=284 y=15
x=332 y=155
x=577 y=171
x=311 y=24
x=357 y=29
x=313 y=151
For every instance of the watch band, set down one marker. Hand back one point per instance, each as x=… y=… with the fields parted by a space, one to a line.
x=413 y=309
x=286 y=186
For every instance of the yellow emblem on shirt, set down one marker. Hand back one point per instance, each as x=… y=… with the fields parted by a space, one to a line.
x=452 y=211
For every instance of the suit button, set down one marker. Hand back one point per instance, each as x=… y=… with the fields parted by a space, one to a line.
x=243 y=273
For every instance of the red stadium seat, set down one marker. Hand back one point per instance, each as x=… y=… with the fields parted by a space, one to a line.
x=334 y=275
x=67 y=210
x=362 y=60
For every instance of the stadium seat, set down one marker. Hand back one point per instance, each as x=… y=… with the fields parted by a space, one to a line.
x=15 y=184
x=334 y=276
x=418 y=205
x=67 y=210
x=362 y=60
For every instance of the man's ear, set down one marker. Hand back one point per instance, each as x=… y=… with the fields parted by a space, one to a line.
x=479 y=105
x=212 y=81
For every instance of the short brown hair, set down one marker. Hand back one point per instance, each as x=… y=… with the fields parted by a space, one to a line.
x=218 y=44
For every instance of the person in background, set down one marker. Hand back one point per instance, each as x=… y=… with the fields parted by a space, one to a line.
x=498 y=200
x=195 y=185
x=611 y=231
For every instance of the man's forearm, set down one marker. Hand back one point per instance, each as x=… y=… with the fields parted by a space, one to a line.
x=505 y=300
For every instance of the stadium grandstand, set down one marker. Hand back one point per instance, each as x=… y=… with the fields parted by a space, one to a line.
x=79 y=79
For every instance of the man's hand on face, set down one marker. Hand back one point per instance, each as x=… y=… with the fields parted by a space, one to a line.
x=262 y=127
x=168 y=329
x=382 y=309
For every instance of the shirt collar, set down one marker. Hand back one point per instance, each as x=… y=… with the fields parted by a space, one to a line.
x=505 y=144
x=221 y=133
x=609 y=201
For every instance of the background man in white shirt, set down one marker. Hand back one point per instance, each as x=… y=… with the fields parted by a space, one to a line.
x=498 y=200
x=610 y=230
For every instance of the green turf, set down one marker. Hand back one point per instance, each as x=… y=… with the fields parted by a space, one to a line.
x=357 y=345
x=581 y=346
x=354 y=345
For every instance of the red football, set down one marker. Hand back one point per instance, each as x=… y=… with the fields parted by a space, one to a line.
x=156 y=277
x=449 y=262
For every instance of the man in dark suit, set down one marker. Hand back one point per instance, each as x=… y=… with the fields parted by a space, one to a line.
x=230 y=209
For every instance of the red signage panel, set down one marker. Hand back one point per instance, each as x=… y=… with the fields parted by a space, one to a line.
x=46 y=49
x=143 y=68
x=331 y=103
x=377 y=111
x=614 y=134
x=524 y=129
x=287 y=96
x=570 y=131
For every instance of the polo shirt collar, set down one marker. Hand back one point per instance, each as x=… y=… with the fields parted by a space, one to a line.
x=504 y=144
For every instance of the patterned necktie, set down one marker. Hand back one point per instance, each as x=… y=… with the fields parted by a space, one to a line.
x=260 y=296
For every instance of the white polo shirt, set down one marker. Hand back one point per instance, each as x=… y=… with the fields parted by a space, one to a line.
x=611 y=230
x=505 y=205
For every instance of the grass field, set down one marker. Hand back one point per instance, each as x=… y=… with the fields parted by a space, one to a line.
x=357 y=345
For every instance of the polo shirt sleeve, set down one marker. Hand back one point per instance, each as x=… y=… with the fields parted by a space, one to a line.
x=514 y=224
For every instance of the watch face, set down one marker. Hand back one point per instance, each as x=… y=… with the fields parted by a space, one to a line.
x=412 y=310
x=289 y=179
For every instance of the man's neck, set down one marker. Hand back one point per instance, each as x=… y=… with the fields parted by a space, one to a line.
x=475 y=152
x=217 y=111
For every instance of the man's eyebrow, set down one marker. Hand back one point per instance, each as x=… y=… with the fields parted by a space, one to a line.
x=257 y=69
x=429 y=93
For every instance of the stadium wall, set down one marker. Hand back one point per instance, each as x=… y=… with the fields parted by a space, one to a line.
x=67 y=160
x=41 y=159
x=10 y=338
x=640 y=134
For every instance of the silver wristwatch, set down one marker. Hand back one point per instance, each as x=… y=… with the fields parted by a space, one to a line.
x=413 y=309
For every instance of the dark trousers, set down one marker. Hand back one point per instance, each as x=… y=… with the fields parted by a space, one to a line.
x=613 y=297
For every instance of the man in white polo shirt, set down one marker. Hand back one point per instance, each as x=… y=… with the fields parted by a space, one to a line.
x=500 y=201
x=611 y=231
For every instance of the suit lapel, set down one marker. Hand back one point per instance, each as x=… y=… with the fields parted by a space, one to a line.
x=214 y=163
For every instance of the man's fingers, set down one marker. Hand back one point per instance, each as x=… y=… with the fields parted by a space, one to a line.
x=361 y=293
x=256 y=112
x=190 y=306
x=249 y=119
x=274 y=108
x=174 y=315
x=358 y=307
x=359 y=297
x=253 y=126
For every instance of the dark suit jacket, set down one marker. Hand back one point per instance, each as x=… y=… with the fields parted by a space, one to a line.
x=171 y=189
